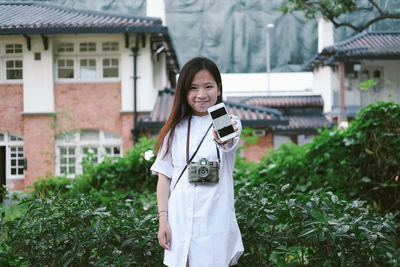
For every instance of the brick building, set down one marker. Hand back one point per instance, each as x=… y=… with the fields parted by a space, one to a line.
x=72 y=82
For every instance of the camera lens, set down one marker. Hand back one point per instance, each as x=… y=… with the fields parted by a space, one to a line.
x=203 y=172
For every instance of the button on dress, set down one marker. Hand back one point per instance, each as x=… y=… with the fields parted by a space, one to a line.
x=201 y=216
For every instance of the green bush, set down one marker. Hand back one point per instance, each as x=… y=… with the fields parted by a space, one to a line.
x=280 y=227
x=51 y=186
x=360 y=162
x=79 y=232
x=131 y=172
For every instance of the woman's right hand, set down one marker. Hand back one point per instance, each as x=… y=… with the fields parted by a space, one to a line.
x=164 y=233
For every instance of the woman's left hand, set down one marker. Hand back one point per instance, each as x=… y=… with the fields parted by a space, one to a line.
x=216 y=137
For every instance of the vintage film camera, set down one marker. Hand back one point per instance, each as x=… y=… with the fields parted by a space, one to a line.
x=203 y=171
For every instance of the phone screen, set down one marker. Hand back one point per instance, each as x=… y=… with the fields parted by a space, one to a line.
x=222 y=122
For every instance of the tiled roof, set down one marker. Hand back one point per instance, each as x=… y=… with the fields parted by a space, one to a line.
x=304 y=112
x=370 y=45
x=250 y=116
x=40 y=18
x=285 y=101
x=304 y=123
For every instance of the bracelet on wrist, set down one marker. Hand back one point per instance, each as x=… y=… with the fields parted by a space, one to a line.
x=161 y=212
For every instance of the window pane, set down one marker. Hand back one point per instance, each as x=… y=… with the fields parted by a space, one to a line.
x=65 y=73
x=13 y=171
x=1 y=137
x=109 y=73
x=117 y=151
x=18 y=64
x=65 y=47
x=20 y=171
x=13 y=162
x=87 y=72
x=65 y=68
x=10 y=64
x=110 y=135
x=88 y=68
x=63 y=170
x=115 y=62
x=71 y=151
x=72 y=170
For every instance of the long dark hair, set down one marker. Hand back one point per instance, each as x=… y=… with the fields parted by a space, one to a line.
x=181 y=108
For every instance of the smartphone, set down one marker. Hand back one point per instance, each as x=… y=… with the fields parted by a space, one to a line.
x=222 y=122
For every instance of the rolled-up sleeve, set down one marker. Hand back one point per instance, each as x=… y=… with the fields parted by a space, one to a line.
x=232 y=146
x=163 y=164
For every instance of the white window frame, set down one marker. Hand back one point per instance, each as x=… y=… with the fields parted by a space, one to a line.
x=109 y=45
x=73 y=68
x=8 y=143
x=88 y=59
x=110 y=67
x=99 y=55
x=4 y=57
x=75 y=141
x=63 y=46
x=14 y=47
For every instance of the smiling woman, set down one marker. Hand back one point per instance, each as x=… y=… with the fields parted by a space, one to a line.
x=197 y=221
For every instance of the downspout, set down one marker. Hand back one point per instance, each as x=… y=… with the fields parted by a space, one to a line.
x=135 y=51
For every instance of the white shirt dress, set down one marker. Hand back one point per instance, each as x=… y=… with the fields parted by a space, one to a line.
x=201 y=217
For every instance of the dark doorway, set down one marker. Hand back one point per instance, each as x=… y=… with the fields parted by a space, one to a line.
x=2 y=170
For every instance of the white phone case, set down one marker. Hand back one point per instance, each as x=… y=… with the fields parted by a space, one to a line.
x=222 y=122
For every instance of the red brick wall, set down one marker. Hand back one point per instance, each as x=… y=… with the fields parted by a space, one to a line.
x=89 y=106
x=38 y=147
x=256 y=151
x=11 y=106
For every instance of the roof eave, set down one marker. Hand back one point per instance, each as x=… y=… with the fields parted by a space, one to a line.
x=80 y=30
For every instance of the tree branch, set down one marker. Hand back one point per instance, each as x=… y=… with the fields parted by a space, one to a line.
x=366 y=25
x=377 y=7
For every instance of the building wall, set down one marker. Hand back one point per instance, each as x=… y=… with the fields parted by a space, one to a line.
x=11 y=106
x=40 y=105
x=254 y=152
x=323 y=84
x=89 y=106
x=38 y=147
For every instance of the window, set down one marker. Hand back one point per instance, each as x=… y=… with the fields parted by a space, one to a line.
x=65 y=47
x=14 y=161
x=75 y=147
x=14 y=69
x=67 y=160
x=87 y=47
x=13 y=48
x=17 y=160
x=90 y=154
x=65 y=68
x=110 y=46
x=377 y=79
x=110 y=67
x=113 y=151
x=88 y=68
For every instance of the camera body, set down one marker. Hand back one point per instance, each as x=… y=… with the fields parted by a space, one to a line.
x=203 y=171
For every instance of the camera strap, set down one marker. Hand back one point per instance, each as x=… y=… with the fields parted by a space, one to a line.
x=188 y=161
